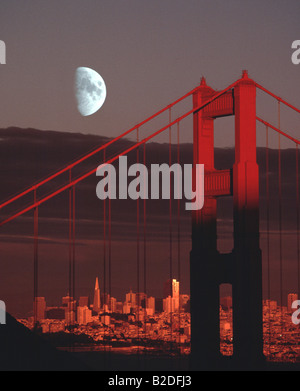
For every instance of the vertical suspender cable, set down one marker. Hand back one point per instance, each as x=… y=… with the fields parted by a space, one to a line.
x=70 y=247
x=145 y=242
x=71 y=309
x=268 y=232
x=170 y=226
x=104 y=255
x=298 y=216
x=73 y=251
x=178 y=205
x=138 y=250
x=280 y=217
x=109 y=242
x=35 y=261
x=178 y=228
x=109 y=251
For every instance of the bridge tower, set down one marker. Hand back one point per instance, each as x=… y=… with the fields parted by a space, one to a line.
x=242 y=268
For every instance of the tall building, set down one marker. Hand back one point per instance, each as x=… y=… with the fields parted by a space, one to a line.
x=131 y=298
x=40 y=308
x=171 y=288
x=171 y=295
x=97 y=302
x=113 y=304
x=150 y=308
x=126 y=308
x=84 y=315
x=170 y=305
x=291 y=298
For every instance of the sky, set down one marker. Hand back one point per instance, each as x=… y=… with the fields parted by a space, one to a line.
x=148 y=52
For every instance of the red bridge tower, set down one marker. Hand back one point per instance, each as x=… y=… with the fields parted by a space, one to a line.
x=242 y=268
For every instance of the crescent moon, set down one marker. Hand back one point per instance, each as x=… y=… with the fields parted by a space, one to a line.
x=90 y=91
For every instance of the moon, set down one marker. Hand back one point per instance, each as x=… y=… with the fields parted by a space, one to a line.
x=90 y=91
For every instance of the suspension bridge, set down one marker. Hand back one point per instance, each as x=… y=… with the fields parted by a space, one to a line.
x=242 y=268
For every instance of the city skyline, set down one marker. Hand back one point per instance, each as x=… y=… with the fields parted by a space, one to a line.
x=137 y=299
x=103 y=301
x=173 y=325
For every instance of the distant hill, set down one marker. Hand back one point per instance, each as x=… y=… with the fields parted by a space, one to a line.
x=22 y=350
